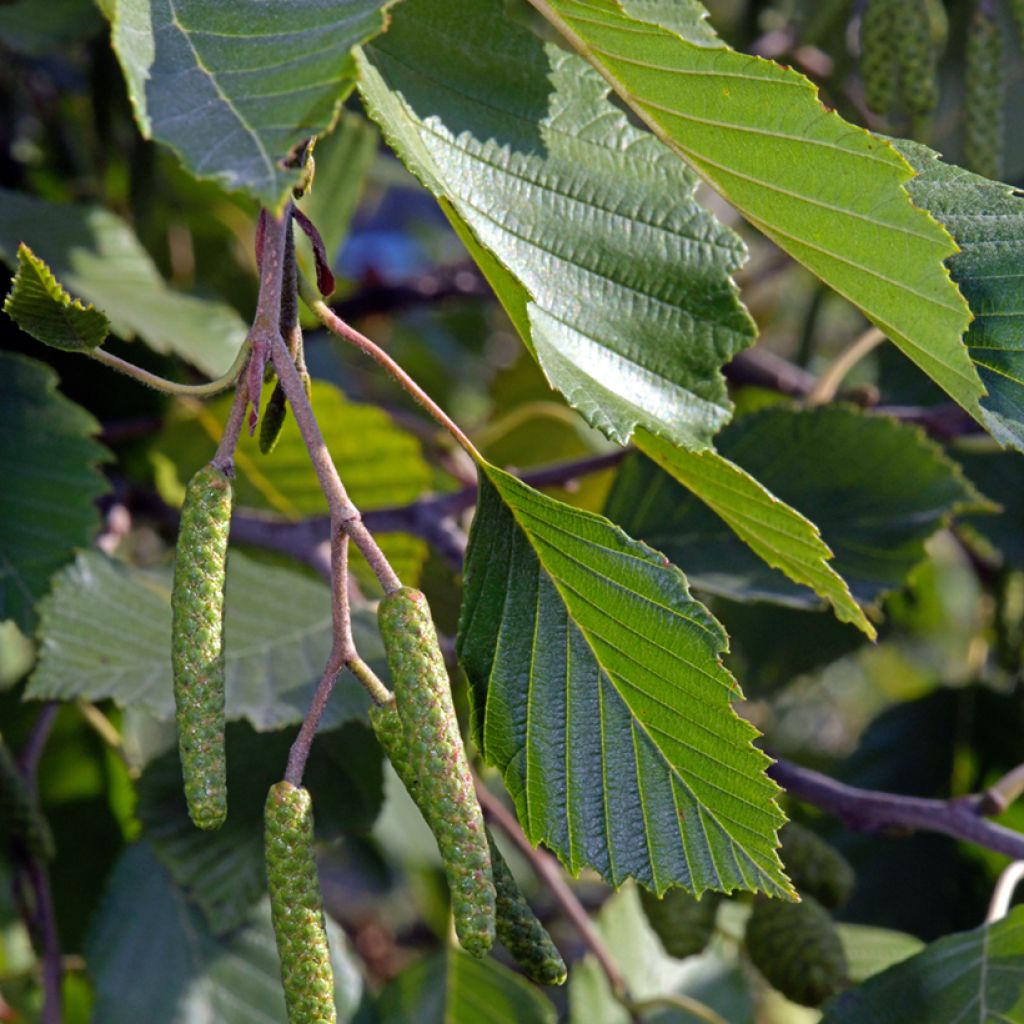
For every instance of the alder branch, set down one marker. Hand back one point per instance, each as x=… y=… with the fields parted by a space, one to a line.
x=872 y=811
x=429 y=517
x=30 y=873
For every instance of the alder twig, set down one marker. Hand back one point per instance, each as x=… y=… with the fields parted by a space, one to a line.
x=429 y=517
x=266 y=336
x=828 y=384
x=338 y=327
x=872 y=811
x=549 y=872
x=342 y=650
x=1001 y=794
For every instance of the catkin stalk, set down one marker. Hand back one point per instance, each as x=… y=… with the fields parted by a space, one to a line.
x=197 y=655
x=297 y=907
x=433 y=743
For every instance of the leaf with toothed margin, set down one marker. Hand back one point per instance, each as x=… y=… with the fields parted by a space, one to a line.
x=829 y=193
x=233 y=86
x=586 y=226
x=600 y=694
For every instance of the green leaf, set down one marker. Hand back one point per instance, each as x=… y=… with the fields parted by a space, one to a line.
x=36 y=29
x=455 y=988
x=343 y=160
x=773 y=531
x=223 y=872
x=876 y=488
x=829 y=193
x=106 y=634
x=771 y=645
x=586 y=226
x=381 y=464
x=1000 y=476
x=39 y=305
x=233 y=86
x=871 y=950
x=95 y=255
x=600 y=694
x=48 y=461
x=987 y=220
x=973 y=976
x=713 y=978
x=152 y=958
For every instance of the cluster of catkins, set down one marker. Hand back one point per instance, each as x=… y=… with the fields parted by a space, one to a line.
x=418 y=731
x=795 y=946
x=899 y=45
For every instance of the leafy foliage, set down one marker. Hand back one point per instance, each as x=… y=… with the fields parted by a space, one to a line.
x=48 y=464
x=453 y=986
x=41 y=307
x=106 y=634
x=231 y=103
x=773 y=530
x=600 y=695
x=987 y=220
x=96 y=255
x=625 y=301
x=381 y=464
x=827 y=192
x=223 y=872
x=872 y=463
x=970 y=975
x=153 y=958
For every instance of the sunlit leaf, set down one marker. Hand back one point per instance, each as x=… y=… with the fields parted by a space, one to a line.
x=600 y=695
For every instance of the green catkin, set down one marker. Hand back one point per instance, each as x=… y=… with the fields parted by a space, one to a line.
x=916 y=58
x=20 y=816
x=683 y=923
x=430 y=730
x=296 y=906
x=197 y=605
x=519 y=930
x=983 y=90
x=797 y=949
x=273 y=419
x=816 y=868
x=878 y=55
x=517 y=926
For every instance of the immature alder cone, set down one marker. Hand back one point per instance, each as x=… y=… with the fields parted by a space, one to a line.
x=683 y=923
x=797 y=949
x=815 y=867
x=434 y=746
x=197 y=655
x=273 y=419
x=296 y=906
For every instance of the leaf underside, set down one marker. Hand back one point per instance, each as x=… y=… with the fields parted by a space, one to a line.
x=599 y=693
x=96 y=255
x=106 y=634
x=233 y=86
